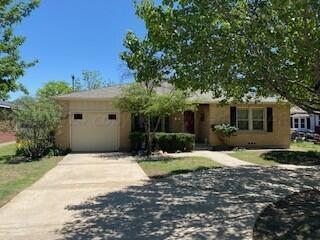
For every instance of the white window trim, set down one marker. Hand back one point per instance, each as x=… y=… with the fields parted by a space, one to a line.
x=299 y=119
x=251 y=120
x=294 y=123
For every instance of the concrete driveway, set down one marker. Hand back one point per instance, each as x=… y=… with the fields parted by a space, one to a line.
x=37 y=212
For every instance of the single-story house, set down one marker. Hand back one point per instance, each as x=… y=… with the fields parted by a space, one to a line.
x=92 y=123
x=302 y=121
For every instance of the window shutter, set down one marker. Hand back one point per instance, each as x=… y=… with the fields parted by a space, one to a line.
x=269 y=120
x=308 y=123
x=233 y=116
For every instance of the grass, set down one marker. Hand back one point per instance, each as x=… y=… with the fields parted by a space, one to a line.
x=16 y=177
x=305 y=146
x=253 y=157
x=170 y=166
x=302 y=153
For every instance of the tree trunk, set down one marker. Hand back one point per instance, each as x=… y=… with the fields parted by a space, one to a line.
x=149 y=137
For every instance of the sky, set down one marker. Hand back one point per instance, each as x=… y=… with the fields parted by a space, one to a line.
x=68 y=36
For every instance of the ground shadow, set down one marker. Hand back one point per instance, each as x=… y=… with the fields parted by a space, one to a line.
x=310 y=158
x=209 y=204
x=295 y=217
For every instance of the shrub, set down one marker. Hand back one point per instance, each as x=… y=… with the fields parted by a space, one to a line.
x=172 y=142
x=36 y=123
x=224 y=131
x=137 y=140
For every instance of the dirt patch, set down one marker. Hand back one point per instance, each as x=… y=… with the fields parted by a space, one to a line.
x=7 y=137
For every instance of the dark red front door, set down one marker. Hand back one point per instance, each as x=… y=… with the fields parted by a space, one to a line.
x=189 y=122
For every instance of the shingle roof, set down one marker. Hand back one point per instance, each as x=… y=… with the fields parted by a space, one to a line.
x=105 y=93
x=4 y=104
x=109 y=93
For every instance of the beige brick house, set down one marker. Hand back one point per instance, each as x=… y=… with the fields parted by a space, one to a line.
x=92 y=123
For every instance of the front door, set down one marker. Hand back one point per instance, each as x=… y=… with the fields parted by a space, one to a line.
x=189 y=122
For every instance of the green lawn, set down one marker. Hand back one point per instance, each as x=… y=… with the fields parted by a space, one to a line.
x=15 y=177
x=163 y=167
x=253 y=157
x=303 y=153
x=305 y=146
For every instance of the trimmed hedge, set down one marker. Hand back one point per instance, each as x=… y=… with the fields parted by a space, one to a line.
x=169 y=142
x=137 y=140
x=172 y=142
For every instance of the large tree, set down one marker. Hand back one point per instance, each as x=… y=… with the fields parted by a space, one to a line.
x=11 y=66
x=236 y=47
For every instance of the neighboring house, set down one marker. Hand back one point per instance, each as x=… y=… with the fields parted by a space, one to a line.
x=5 y=105
x=302 y=121
x=92 y=123
x=6 y=134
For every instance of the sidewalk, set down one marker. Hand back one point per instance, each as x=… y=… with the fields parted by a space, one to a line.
x=7 y=143
x=219 y=157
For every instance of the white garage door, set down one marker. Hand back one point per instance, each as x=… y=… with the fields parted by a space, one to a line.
x=94 y=132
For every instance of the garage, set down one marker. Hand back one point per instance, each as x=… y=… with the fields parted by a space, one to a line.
x=94 y=131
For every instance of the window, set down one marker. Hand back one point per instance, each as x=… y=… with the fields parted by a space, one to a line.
x=318 y=120
x=296 y=123
x=77 y=116
x=302 y=123
x=257 y=119
x=243 y=119
x=112 y=117
x=251 y=119
x=291 y=122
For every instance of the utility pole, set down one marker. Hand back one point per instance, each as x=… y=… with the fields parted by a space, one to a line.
x=73 y=82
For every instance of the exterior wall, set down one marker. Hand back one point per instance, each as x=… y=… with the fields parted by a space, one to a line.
x=202 y=123
x=125 y=129
x=213 y=114
x=279 y=138
x=62 y=136
x=177 y=123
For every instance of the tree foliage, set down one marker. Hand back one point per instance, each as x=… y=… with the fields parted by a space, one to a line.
x=54 y=88
x=138 y=99
x=11 y=66
x=36 y=121
x=89 y=80
x=145 y=62
x=232 y=48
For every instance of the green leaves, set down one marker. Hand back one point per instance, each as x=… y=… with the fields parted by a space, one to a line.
x=54 y=88
x=206 y=45
x=36 y=121
x=138 y=99
x=11 y=66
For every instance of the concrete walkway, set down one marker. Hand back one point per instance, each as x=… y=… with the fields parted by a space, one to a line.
x=7 y=143
x=219 y=157
x=226 y=160
x=38 y=211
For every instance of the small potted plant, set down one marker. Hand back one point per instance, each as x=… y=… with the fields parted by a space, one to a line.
x=224 y=131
